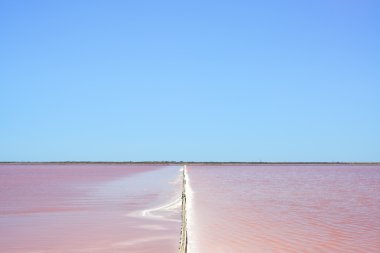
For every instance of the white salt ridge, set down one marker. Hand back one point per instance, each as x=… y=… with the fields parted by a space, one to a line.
x=191 y=239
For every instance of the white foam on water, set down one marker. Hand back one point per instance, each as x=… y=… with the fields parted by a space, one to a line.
x=154 y=212
x=163 y=211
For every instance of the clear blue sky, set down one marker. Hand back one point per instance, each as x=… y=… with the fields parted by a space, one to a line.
x=190 y=80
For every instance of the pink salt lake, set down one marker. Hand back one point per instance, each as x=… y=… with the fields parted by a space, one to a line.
x=122 y=208
x=89 y=208
x=265 y=209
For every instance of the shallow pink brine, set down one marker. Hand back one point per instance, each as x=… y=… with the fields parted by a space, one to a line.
x=292 y=208
x=100 y=208
x=89 y=208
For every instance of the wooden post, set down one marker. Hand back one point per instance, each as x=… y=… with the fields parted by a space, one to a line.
x=183 y=242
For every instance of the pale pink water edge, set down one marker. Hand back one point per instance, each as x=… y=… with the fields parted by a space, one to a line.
x=310 y=209
x=89 y=208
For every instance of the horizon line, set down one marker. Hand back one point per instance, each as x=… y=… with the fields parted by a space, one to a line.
x=178 y=162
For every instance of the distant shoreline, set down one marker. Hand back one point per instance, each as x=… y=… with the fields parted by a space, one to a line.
x=198 y=163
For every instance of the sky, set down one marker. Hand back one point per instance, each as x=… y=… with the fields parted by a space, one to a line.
x=190 y=80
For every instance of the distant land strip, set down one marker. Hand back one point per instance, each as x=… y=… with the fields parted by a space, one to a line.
x=190 y=163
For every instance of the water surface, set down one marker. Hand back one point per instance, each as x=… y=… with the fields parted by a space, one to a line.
x=266 y=209
x=89 y=208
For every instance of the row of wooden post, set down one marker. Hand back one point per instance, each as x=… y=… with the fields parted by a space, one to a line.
x=183 y=242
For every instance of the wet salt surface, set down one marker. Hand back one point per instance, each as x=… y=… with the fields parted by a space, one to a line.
x=89 y=208
x=285 y=209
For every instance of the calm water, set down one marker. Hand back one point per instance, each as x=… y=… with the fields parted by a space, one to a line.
x=284 y=209
x=122 y=208
x=89 y=208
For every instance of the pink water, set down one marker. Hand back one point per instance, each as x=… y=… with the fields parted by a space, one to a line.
x=308 y=209
x=89 y=208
